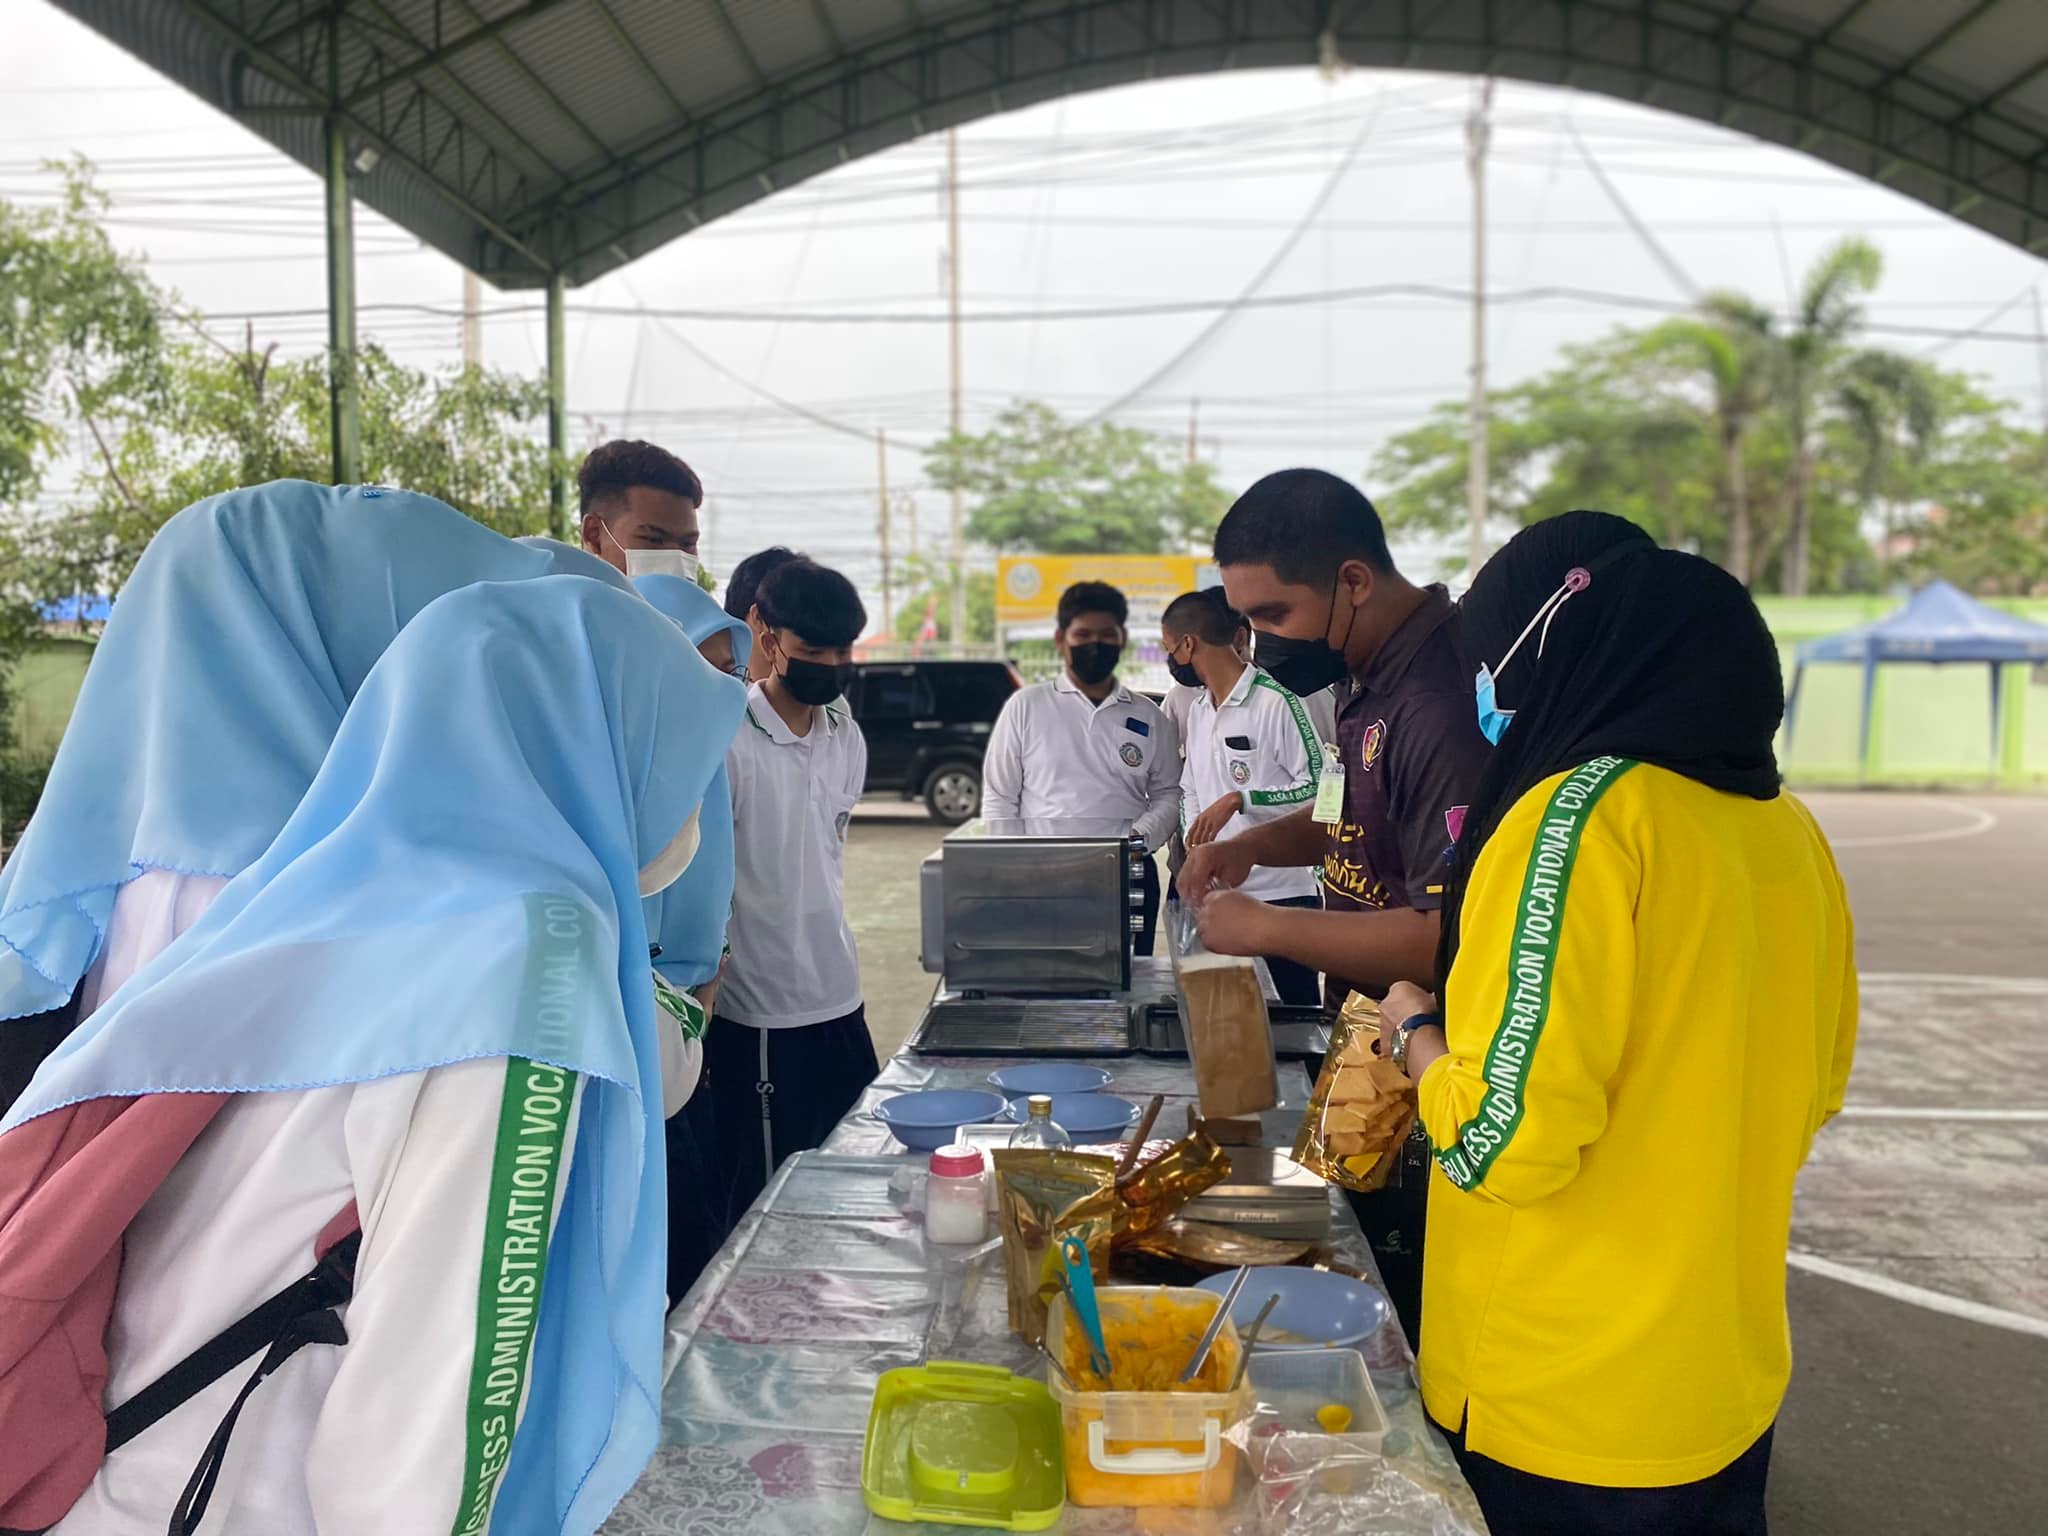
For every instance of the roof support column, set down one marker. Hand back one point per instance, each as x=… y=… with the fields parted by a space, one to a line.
x=344 y=427
x=558 y=410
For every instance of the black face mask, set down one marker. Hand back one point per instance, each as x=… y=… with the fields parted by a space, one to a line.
x=1304 y=667
x=1184 y=673
x=1094 y=662
x=813 y=682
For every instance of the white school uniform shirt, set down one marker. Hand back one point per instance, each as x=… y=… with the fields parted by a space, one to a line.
x=1261 y=743
x=1055 y=755
x=793 y=957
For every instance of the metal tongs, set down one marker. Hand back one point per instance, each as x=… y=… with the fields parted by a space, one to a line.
x=1209 y=1334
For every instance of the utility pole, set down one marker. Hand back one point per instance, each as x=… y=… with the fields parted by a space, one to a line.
x=882 y=487
x=958 y=628
x=1477 y=131
x=472 y=320
x=1194 y=425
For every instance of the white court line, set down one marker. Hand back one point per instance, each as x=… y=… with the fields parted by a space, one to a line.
x=1913 y=1295
x=1957 y=981
x=1979 y=821
x=1926 y=1112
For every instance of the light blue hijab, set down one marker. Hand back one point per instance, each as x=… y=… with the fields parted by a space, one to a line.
x=688 y=919
x=459 y=882
x=248 y=625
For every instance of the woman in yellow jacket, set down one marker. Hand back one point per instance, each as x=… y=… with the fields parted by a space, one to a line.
x=1648 y=1012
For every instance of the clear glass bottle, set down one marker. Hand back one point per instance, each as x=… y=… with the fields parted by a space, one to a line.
x=1039 y=1128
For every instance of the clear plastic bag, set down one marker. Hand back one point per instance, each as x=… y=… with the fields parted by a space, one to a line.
x=1224 y=1019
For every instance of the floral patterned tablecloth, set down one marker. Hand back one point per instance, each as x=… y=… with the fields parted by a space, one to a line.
x=828 y=1282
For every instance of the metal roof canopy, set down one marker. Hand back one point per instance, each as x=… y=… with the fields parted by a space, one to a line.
x=533 y=140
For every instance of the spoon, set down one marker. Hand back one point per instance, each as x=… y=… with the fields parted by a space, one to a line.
x=1080 y=1281
x=1208 y=1339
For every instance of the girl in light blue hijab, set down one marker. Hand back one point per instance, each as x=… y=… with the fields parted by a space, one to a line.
x=246 y=628
x=687 y=921
x=427 y=1006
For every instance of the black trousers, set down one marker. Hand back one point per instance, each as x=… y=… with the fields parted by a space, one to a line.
x=696 y=1190
x=1516 y=1503
x=779 y=1091
x=1396 y=1219
x=1296 y=983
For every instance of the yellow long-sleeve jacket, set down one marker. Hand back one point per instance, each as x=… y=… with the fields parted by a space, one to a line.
x=1651 y=1014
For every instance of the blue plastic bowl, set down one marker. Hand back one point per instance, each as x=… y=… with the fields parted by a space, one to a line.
x=1050 y=1077
x=1086 y=1117
x=926 y=1121
x=1317 y=1310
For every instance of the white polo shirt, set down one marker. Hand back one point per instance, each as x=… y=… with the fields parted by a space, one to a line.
x=793 y=957
x=1260 y=743
x=1055 y=755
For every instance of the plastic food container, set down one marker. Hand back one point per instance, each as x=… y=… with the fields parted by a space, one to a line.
x=960 y=1444
x=1293 y=1386
x=926 y=1121
x=1147 y=1448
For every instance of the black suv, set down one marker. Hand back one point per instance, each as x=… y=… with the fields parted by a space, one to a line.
x=927 y=725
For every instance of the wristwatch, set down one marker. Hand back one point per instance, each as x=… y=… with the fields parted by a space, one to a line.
x=1398 y=1053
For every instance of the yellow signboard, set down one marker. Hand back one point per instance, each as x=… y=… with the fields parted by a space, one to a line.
x=1028 y=587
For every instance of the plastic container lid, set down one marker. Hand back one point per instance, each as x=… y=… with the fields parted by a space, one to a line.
x=957 y=1161
x=960 y=1444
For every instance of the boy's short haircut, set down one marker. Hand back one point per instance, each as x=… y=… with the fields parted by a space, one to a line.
x=1304 y=523
x=1207 y=615
x=744 y=585
x=815 y=601
x=612 y=469
x=1093 y=597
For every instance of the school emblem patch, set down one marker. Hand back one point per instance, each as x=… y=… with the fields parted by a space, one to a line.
x=1131 y=753
x=1375 y=741
x=1240 y=772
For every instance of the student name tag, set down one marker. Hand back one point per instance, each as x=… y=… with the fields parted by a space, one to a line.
x=1329 y=807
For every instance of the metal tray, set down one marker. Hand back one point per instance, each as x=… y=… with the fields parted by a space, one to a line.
x=1035 y=1027
x=1299 y=1033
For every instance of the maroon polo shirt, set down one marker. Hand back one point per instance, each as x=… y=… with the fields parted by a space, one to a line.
x=1409 y=740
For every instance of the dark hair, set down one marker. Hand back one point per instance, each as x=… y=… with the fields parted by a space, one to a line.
x=1304 y=523
x=814 y=600
x=744 y=585
x=1092 y=597
x=1207 y=615
x=611 y=469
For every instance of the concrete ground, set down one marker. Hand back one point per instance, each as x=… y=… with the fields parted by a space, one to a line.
x=1919 y=1293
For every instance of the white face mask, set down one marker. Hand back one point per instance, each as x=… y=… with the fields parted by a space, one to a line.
x=654 y=562
x=667 y=866
x=662 y=562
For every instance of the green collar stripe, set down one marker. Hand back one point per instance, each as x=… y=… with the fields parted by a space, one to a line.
x=1302 y=723
x=1532 y=966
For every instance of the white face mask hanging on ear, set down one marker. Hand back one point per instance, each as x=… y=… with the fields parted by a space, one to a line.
x=667 y=866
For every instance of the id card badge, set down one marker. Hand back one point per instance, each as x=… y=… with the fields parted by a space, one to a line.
x=1329 y=807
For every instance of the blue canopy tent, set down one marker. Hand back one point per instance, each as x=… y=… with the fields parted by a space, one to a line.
x=1938 y=625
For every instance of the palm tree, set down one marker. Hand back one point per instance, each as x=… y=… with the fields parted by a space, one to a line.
x=1893 y=408
x=1731 y=341
x=1808 y=353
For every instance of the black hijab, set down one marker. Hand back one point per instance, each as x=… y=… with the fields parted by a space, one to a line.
x=1662 y=658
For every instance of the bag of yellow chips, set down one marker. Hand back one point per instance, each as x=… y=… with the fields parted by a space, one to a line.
x=1362 y=1107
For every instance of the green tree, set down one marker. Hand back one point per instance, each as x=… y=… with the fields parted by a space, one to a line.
x=1892 y=409
x=1730 y=344
x=1042 y=484
x=1809 y=352
x=930 y=584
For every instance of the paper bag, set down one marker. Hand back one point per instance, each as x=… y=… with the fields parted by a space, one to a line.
x=1223 y=1014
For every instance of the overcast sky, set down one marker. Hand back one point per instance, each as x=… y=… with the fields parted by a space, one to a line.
x=1272 y=184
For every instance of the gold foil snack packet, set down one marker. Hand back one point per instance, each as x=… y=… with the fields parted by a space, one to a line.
x=1043 y=1197
x=1362 y=1108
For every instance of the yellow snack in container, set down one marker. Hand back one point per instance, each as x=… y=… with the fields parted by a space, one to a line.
x=1142 y=1438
